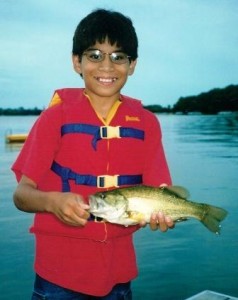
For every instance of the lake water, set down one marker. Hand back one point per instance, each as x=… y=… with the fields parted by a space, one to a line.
x=202 y=153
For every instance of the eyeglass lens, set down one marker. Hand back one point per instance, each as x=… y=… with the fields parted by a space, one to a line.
x=98 y=56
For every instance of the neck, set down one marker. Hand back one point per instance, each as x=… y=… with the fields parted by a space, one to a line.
x=102 y=105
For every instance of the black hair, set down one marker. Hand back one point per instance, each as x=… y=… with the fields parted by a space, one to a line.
x=103 y=24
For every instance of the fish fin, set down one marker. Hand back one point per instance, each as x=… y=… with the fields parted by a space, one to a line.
x=178 y=191
x=182 y=219
x=212 y=217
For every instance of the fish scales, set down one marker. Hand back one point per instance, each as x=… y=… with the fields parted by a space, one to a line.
x=131 y=205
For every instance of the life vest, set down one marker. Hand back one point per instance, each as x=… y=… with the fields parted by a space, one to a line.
x=105 y=248
x=97 y=133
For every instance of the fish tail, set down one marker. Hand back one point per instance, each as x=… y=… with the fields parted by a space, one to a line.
x=212 y=217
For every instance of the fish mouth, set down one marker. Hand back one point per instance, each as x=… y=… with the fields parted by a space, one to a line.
x=93 y=203
x=96 y=205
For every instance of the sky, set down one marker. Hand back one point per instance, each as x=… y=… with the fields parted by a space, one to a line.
x=186 y=47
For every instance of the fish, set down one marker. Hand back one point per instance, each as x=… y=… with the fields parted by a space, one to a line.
x=132 y=205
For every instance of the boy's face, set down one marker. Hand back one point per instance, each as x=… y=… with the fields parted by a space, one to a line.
x=105 y=78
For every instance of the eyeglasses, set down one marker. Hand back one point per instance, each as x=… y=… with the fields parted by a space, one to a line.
x=97 y=56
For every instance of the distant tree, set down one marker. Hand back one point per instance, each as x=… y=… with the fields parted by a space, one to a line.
x=211 y=102
x=21 y=111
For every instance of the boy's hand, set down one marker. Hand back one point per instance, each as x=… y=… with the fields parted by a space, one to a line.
x=160 y=221
x=67 y=207
x=70 y=209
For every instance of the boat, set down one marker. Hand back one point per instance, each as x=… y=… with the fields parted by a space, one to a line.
x=210 y=295
x=16 y=138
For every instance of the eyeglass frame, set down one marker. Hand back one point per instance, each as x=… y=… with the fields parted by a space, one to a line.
x=99 y=52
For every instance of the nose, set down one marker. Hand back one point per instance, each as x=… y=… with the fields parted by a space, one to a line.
x=106 y=64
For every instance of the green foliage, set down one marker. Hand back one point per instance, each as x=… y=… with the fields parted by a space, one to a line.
x=20 y=111
x=157 y=108
x=211 y=102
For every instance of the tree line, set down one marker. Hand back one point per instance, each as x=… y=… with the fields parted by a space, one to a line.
x=211 y=102
x=21 y=111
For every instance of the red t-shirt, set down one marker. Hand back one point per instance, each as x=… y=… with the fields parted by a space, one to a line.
x=94 y=258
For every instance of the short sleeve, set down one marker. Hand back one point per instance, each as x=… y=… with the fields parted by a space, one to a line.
x=40 y=147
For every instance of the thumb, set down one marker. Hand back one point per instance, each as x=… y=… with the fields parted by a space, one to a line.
x=81 y=202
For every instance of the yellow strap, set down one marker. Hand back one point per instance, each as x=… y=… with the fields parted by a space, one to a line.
x=55 y=100
x=111 y=113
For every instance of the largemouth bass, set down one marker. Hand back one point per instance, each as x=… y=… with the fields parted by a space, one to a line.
x=130 y=205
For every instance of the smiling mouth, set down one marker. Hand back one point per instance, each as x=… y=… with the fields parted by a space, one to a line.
x=106 y=80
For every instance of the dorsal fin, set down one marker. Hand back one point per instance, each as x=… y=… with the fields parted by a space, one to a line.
x=178 y=191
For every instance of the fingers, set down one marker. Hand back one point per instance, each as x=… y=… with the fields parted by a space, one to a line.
x=161 y=222
x=82 y=208
x=142 y=223
x=74 y=217
x=78 y=213
x=72 y=210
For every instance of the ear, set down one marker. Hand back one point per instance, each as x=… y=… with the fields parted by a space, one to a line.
x=76 y=64
x=132 y=67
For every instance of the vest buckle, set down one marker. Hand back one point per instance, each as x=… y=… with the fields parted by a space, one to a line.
x=107 y=181
x=109 y=132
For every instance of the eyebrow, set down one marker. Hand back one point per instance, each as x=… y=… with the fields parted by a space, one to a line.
x=91 y=49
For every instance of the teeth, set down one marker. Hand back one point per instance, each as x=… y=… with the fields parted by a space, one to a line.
x=106 y=80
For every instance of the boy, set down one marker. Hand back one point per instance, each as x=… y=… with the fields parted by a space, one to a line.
x=88 y=140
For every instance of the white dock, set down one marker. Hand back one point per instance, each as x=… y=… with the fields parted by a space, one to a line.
x=210 y=295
